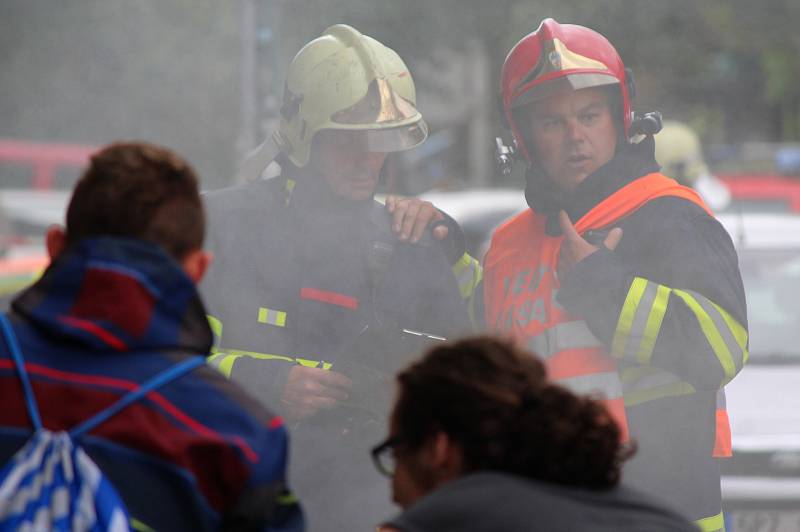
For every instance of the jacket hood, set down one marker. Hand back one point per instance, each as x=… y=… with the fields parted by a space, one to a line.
x=117 y=294
x=631 y=162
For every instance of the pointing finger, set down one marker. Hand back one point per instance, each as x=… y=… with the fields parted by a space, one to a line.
x=566 y=226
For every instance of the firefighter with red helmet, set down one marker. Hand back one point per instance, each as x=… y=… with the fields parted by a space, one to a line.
x=617 y=276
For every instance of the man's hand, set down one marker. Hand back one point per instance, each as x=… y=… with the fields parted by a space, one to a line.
x=309 y=390
x=575 y=248
x=412 y=216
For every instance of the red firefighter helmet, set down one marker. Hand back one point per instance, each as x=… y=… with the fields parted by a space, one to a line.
x=558 y=57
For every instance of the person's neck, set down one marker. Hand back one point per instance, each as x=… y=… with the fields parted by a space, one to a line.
x=311 y=194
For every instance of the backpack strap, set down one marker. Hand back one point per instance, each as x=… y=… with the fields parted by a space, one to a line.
x=168 y=375
x=16 y=354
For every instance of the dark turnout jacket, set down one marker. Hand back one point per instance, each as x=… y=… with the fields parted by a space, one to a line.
x=195 y=454
x=301 y=277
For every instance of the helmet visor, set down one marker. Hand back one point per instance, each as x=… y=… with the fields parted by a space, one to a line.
x=380 y=105
x=391 y=139
x=570 y=82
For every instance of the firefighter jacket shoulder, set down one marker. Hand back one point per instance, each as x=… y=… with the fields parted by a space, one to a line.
x=300 y=277
x=107 y=315
x=666 y=306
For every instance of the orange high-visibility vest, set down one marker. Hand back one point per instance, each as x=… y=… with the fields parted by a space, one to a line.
x=521 y=285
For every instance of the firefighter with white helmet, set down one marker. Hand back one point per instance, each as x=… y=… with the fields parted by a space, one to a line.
x=314 y=299
x=680 y=155
x=617 y=276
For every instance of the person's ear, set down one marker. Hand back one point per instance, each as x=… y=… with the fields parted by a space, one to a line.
x=55 y=241
x=196 y=263
x=445 y=456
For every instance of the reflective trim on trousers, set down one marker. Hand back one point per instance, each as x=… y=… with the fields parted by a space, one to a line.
x=563 y=336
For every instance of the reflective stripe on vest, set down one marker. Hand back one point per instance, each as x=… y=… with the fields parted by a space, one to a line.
x=562 y=336
x=528 y=310
x=520 y=290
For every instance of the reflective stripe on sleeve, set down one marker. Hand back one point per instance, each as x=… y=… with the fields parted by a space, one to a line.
x=224 y=360
x=272 y=317
x=640 y=321
x=642 y=316
x=468 y=273
x=730 y=353
x=626 y=316
x=290 y=184
x=655 y=317
x=216 y=331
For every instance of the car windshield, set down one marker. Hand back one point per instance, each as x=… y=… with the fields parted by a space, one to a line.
x=772 y=286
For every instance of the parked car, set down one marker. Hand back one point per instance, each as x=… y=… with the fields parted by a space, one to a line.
x=24 y=218
x=42 y=165
x=762 y=192
x=761 y=483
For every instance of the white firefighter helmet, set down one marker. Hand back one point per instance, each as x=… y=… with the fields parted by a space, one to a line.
x=344 y=81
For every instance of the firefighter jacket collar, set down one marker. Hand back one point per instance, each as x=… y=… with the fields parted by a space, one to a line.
x=117 y=294
x=312 y=197
x=632 y=162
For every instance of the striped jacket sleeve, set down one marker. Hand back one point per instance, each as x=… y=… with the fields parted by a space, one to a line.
x=679 y=308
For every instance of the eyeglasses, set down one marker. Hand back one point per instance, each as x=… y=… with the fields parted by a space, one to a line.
x=383 y=455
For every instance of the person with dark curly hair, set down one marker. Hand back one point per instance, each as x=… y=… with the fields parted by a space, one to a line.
x=481 y=440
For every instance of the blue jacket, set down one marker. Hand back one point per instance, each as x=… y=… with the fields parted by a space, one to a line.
x=198 y=453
